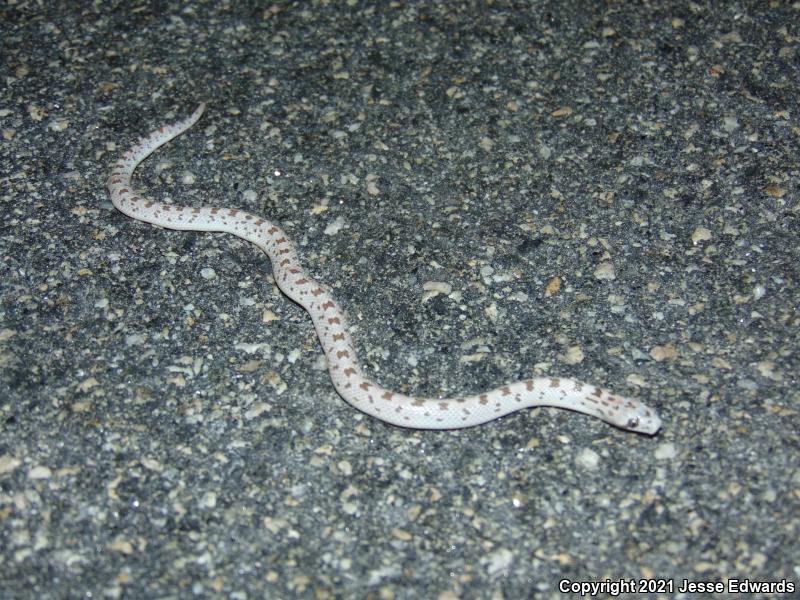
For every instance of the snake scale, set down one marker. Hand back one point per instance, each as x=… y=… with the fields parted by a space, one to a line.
x=332 y=329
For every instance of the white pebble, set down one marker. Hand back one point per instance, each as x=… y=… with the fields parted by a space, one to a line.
x=605 y=270
x=588 y=459
x=40 y=472
x=335 y=226
x=498 y=561
x=209 y=500
x=666 y=451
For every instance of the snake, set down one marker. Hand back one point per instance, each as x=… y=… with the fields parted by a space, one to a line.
x=330 y=322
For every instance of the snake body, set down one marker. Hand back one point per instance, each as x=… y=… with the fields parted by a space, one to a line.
x=331 y=325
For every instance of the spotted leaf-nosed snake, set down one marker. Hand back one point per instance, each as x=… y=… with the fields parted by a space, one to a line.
x=331 y=324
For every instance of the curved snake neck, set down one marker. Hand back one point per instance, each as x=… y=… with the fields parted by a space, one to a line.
x=331 y=325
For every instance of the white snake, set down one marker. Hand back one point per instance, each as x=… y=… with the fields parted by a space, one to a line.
x=331 y=324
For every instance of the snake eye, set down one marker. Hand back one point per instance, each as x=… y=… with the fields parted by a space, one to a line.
x=633 y=423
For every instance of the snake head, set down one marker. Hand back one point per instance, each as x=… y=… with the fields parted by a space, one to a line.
x=642 y=419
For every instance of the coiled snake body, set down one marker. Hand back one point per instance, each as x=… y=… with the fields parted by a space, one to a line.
x=331 y=324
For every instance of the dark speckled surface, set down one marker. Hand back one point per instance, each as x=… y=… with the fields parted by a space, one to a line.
x=602 y=191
